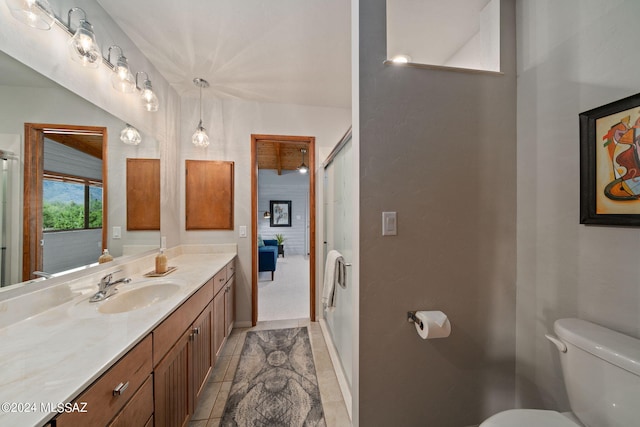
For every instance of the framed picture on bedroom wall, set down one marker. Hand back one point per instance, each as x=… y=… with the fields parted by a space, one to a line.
x=610 y=163
x=280 y=213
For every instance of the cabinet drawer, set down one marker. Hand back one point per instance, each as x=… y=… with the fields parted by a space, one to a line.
x=219 y=280
x=139 y=409
x=170 y=330
x=231 y=269
x=103 y=403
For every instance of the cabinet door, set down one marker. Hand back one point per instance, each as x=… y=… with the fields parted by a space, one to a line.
x=218 y=321
x=229 y=306
x=209 y=195
x=201 y=352
x=171 y=386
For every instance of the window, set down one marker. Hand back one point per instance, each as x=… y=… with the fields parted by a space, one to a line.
x=70 y=203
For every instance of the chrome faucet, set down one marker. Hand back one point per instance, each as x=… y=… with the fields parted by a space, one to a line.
x=42 y=274
x=106 y=287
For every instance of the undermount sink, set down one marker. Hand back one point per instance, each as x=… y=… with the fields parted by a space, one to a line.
x=139 y=297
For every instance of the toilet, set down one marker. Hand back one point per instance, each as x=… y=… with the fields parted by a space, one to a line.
x=601 y=370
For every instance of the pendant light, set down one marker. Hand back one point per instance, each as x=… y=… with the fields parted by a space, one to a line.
x=83 y=46
x=35 y=13
x=122 y=80
x=148 y=98
x=200 y=137
x=130 y=135
x=303 y=168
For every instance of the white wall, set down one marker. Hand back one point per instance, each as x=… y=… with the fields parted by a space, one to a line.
x=573 y=55
x=230 y=124
x=293 y=186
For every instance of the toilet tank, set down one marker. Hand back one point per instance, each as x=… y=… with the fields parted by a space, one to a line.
x=601 y=370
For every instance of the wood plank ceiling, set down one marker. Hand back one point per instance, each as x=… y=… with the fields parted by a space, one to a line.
x=281 y=155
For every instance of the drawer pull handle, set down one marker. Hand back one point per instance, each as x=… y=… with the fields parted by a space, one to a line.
x=221 y=279
x=120 y=388
x=196 y=331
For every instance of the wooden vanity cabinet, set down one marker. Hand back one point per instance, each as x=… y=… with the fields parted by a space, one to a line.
x=124 y=382
x=223 y=306
x=180 y=375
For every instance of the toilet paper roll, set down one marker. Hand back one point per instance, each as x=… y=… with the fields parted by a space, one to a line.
x=435 y=324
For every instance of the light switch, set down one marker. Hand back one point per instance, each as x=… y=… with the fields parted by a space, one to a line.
x=117 y=232
x=389 y=224
x=243 y=231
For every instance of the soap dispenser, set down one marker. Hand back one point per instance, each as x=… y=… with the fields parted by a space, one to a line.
x=161 y=262
x=105 y=257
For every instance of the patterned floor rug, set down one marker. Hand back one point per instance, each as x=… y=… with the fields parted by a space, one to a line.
x=275 y=383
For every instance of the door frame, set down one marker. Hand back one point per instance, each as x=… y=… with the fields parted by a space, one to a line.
x=311 y=141
x=34 y=134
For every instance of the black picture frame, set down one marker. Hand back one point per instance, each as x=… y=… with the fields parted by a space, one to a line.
x=280 y=213
x=610 y=163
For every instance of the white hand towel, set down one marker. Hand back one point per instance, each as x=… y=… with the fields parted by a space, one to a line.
x=330 y=269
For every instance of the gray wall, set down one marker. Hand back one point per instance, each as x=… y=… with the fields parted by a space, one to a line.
x=438 y=147
x=291 y=185
x=573 y=55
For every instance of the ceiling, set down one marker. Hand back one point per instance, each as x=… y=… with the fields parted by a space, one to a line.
x=283 y=51
x=280 y=155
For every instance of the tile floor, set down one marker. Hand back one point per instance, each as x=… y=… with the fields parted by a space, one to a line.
x=211 y=405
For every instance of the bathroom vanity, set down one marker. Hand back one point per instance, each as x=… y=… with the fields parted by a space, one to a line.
x=139 y=358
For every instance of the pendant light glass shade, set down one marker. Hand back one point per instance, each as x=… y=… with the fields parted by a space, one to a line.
x=122 y=80
x=200 y=137
x=83 y=46
x=36 y=14
x=303 y=168
x=148 y=98
x=130 y=135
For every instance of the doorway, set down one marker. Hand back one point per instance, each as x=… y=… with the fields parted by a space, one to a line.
x=281 y=154
x=64 y=160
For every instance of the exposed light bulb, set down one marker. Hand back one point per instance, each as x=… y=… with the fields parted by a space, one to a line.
x=149 y=100
x=200 y=137
x=83 y=46
x=130 y=135
x=401 y=59
x=122 y=80
x=36 y=14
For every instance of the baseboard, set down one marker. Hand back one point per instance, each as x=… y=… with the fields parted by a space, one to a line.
x=242 y=324
x=337 y=367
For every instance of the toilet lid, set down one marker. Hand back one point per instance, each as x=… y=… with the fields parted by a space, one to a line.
x=529 y=418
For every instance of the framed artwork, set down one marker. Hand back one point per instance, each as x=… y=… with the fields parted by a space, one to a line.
x=280 y=213
x=610 y=163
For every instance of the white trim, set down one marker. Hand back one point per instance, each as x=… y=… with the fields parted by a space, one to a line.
x=242 y=324
x=337 y=367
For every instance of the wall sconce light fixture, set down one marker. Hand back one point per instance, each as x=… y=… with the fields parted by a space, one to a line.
x=83 y=46
x=303 y=168
x=122 y=80
x=149 y=99
x=34 y=13
x=266 y=215
x=200 y=137
x=130 y=135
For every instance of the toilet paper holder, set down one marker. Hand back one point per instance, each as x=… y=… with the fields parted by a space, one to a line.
x=411 y=317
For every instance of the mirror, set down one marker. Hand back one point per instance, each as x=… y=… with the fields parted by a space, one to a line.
x=28 y=97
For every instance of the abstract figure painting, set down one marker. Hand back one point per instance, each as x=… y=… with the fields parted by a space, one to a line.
x=610 y=163
x=280 y=213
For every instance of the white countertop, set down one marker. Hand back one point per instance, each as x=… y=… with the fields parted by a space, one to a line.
x=53 y=356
